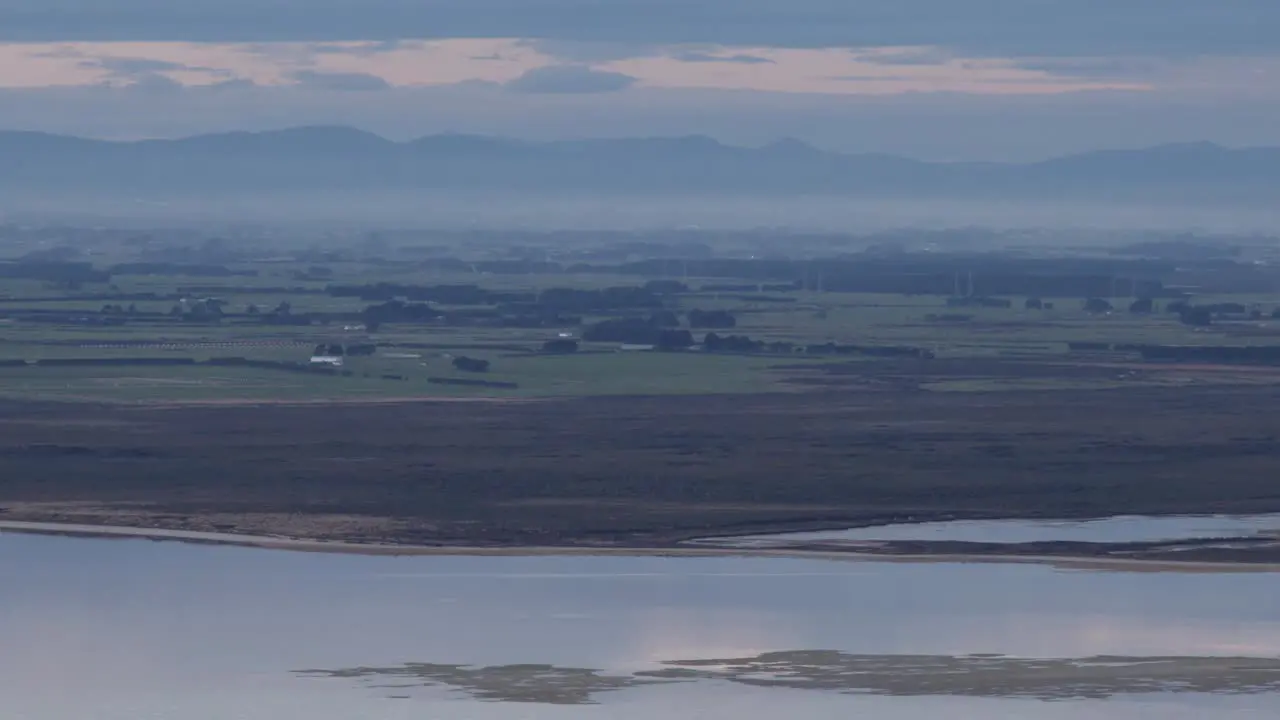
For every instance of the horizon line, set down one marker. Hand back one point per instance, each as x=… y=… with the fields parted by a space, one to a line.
x=699 y=137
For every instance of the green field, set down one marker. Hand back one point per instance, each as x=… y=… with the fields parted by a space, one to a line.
x=603 y=373
x=44 y=321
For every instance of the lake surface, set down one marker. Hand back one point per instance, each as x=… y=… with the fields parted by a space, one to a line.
x=1132 y=528
x=141 y=630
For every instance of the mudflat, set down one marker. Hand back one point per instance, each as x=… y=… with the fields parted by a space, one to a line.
x=638 y=471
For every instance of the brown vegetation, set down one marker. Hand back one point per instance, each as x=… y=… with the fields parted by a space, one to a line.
x=651 y=470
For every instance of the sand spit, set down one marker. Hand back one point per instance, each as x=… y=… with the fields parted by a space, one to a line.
x=269 y=542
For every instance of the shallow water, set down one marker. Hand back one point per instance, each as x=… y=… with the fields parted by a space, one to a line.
x=116 y=629
x=1131 y=528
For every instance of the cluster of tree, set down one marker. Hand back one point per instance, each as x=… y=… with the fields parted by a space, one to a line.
x=634 y=330
x=67 y=274
x=1142 y=306
x=64 y=318
x=375 y=316
x=90 y=361
x=1204 y=315
x=1196 y=316
x=868 y=350
x=113 y=296
x=208 y=310
x=674 y=340
x=281 y=314
x=762 y=298
x=181 y=269
x=666 y=287
x=442 y=294
x=986 y=302
x=534 y=319
x=624 y=330
x=1227 y=308
x=935 y=274
x=468 y=364
x=279 y=365
x=1258 y=354
x=526 y=266
x=750 y=288
x=228 y=289
x=315 y=272
x=289 y=319
x=638 y=331
x=712 y=319
x=473 y=383
x=1182 y=249
x=1088 y=346
x=560 y=346
x=517 y=266
x=743 y=344
x=598 y=301
x=117 y=309
x=58 y=253
x=664 y=319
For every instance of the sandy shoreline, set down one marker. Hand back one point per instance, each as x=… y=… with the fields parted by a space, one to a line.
x=267 y=542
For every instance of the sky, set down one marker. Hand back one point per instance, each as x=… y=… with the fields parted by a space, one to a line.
x=935 y=79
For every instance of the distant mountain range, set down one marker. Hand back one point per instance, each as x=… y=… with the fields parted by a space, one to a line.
x=305 y=159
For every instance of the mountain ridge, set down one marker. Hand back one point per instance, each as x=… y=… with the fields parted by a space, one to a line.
x=335 y=157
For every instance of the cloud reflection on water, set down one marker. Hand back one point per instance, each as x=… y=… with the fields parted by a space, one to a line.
x=133 y=625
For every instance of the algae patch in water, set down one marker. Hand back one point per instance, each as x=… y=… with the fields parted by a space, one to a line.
x=546 y=684
x=986 y=675
x=831 y=671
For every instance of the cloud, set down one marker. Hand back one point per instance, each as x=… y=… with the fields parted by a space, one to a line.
x=61 y=52
x=907 y=56
x=695 y=56
x=589 y=51
x=143 y=72
x=866 y=78
x=234 y=84
x=153 y=84
x=343 y=81
x=983 y=27
x=1117 y=67
x=358 y=49
x=570 y=79
x=134 y=65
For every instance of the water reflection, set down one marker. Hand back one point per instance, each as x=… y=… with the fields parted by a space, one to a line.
x=144 y=629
